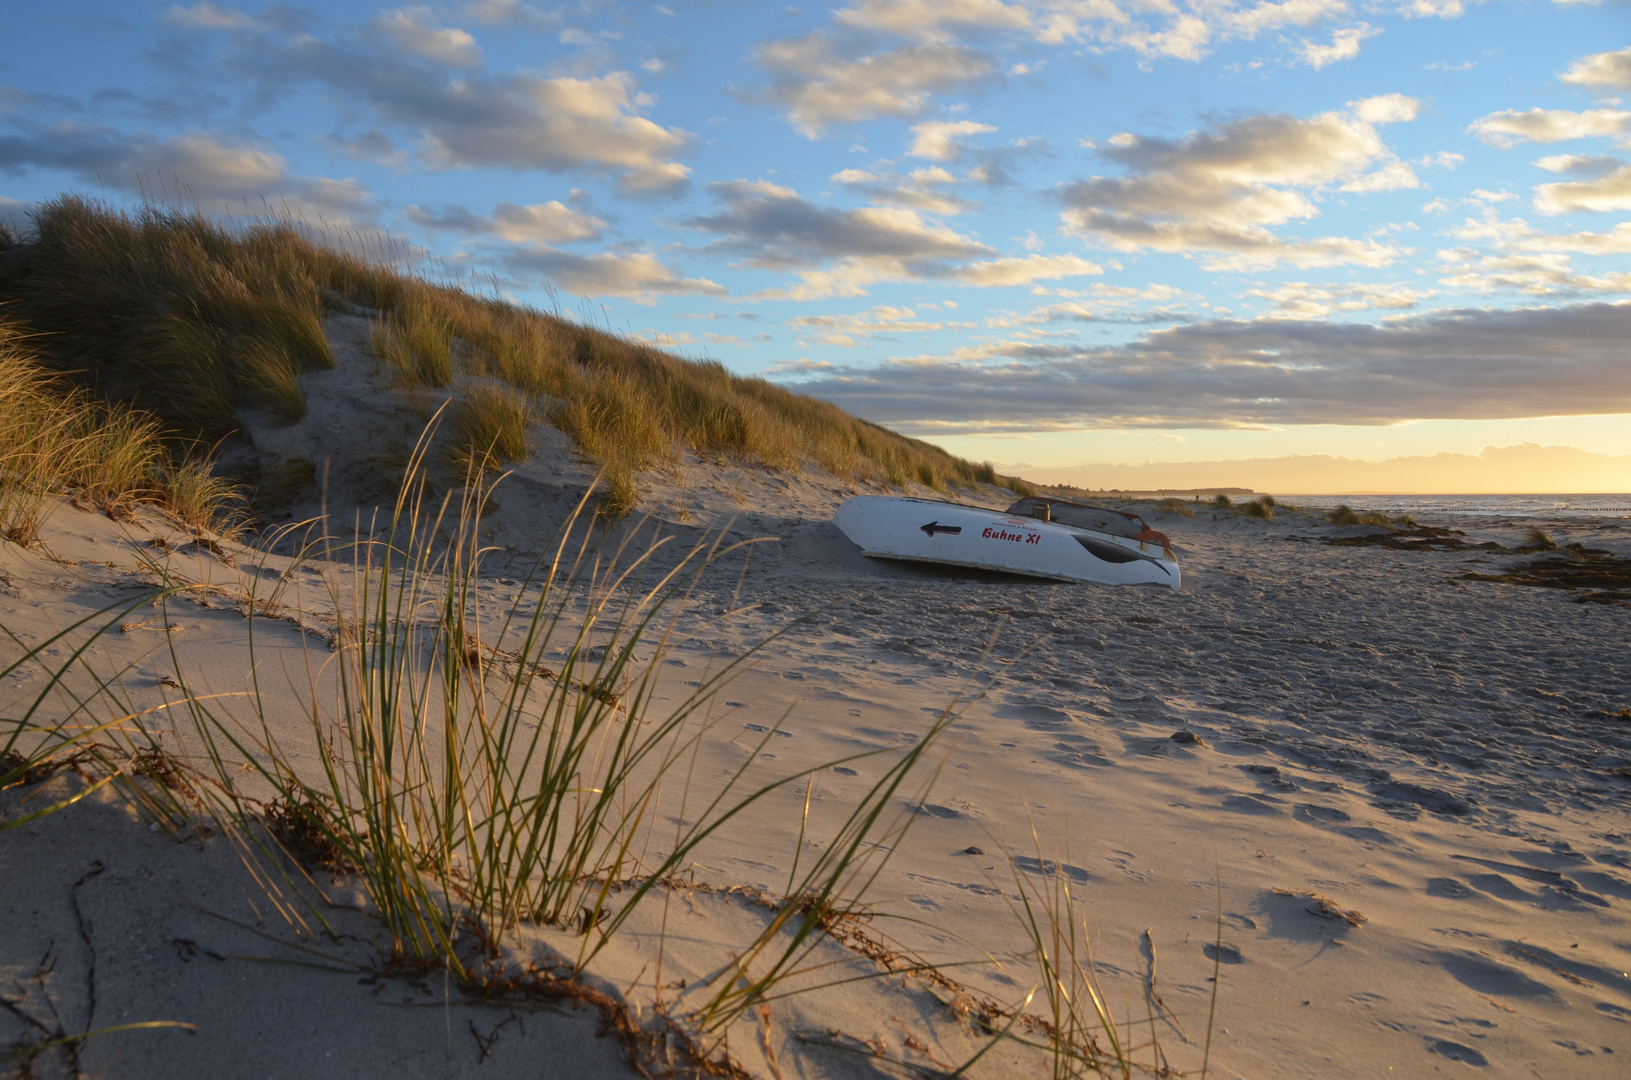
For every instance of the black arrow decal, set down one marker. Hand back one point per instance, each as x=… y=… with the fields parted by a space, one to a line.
x=935 y=527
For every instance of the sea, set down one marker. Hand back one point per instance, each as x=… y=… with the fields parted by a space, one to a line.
x=1516 y=506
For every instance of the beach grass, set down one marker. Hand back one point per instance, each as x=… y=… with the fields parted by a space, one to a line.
x=1261 y=508
x=1347 y=515
x=60 y=440
x=234 y=313
x=227 y=318
x=479 y=771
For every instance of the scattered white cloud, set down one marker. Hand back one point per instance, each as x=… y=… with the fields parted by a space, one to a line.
x=220 y=174
x=639 y=277
x=511 y=12
x=1579 y=164
x=540 y=223
x=1515 y=234
x=1386 y=109
x=207 y=16
x=1601 y=71
x=846 y=330
x=463 y=116
x=1611 y=191
x=937 y=139
x=1220 y=192
x=1264 y=16
x=837 y=252
x=1317 y=300
x=1443 y=159
x=1023 y=270
x=1509 y=127
x=409 y=30
x=817 y=84
x=930 y=190
x=1344 y=46
x=1534 y=275
x=1433 y=9
x=933 y=20
x=1508 y=253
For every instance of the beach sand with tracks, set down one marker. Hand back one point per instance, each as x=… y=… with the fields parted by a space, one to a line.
x=1338 y=808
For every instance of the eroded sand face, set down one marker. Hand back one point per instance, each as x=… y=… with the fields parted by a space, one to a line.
x=1444 y=757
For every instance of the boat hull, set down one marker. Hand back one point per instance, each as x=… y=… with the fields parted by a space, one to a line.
x=922 y=530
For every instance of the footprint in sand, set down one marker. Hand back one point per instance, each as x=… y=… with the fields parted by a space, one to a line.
x=1623 y=1015
x=1449 y=888
x=1223 y=954
x=1486 y=976
x=1457 y=1052
x=1047 y=867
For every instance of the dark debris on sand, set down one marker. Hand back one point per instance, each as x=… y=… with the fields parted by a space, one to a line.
x=1600 y=577
x=1415 y=538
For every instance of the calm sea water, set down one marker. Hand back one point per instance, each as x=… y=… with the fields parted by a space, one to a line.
x=1485 y=505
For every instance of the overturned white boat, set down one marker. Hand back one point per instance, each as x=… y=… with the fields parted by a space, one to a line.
x=1037 y=537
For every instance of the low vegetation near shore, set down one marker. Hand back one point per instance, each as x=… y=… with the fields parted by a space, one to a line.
x=192 y=320
x=58 y=439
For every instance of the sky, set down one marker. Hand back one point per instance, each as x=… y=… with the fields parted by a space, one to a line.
x=1055 y=234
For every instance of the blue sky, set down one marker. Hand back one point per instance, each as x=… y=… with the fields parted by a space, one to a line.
x=1038 y=231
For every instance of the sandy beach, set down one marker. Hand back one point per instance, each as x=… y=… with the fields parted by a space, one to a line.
x=1343 y=806
x=1400 y=794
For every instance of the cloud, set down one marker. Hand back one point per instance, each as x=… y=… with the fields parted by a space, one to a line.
x=843 y=330
x=922 y=189
x=937 y=139
x=817 y=85
x=15 y=214
x=1443 y=159
x=1579 y=164
x=1387 y=109
x=775 y=228
x=1500 y=254
x=211 y=170
x=406 y=29
x=1434 y=9
x=1464 y=364
x=933 y=19
x=1024 y=270
x=859 y=69
x=1510 y=127
x=540 y=223
x=500 y=12
x=1164 y=30
x=1608 y=192
x=1536 y=275
x=1220 y=192
x=639 y=277
x=1515 y=234
x=1252 y=21
x=1344 y=46
x=208 y=16
x=1601 y=71
x=466 y=117
x=1316 y=300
